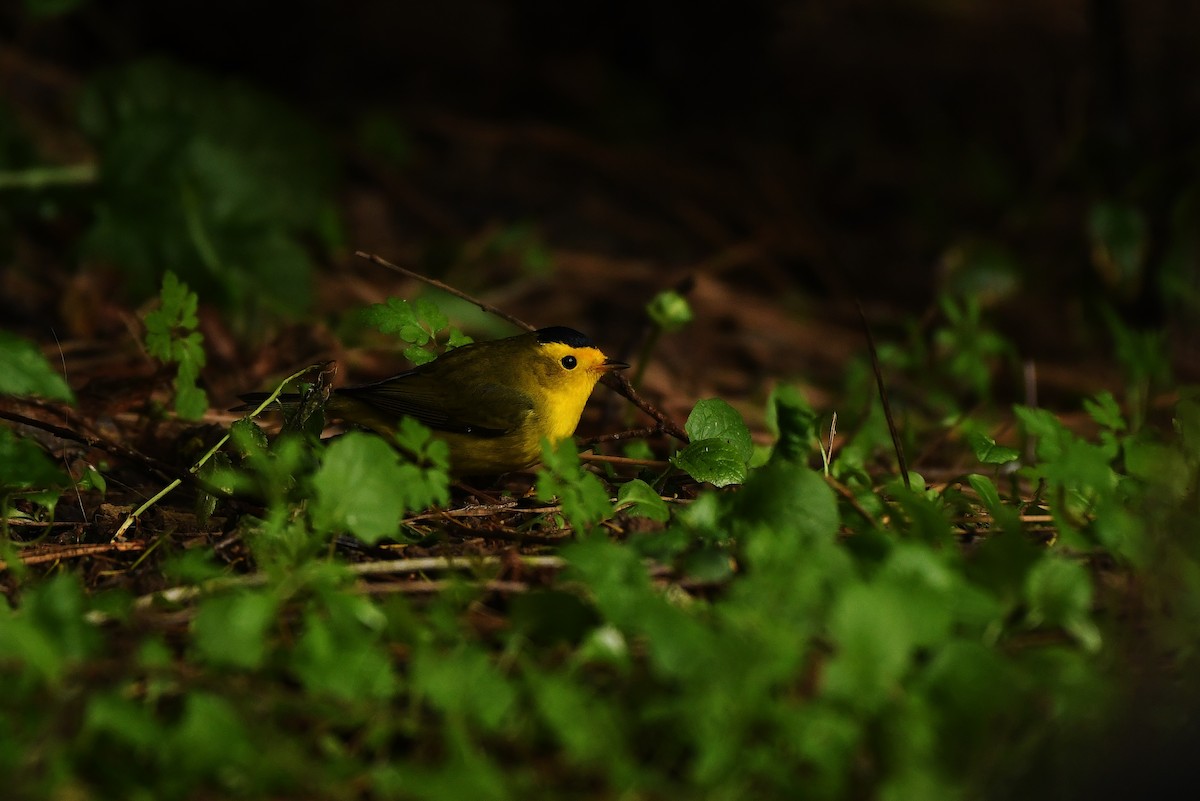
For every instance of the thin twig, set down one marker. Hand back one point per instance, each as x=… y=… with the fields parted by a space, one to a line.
x=883 y=398
x=625 y=460
x=74 y=552
x=620 y=384
x=433 y=282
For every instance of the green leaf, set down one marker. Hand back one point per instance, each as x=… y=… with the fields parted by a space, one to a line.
x=356 y=488
x=431 y=315
x=714 y=418
x=418 y=355
x=988 y=452
x=392 y=316
x=24 y=371
x=716 y=461
x=986 y=490
x=669 y=310
x=231 y=629
x=425 y=476
x=792 y=418
x=641 y=500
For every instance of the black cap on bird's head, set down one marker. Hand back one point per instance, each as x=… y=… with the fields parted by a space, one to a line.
x=567 y=336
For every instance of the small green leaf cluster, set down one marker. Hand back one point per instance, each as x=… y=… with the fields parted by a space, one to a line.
x=172 y=338
x=418 y=323
x=583 y=496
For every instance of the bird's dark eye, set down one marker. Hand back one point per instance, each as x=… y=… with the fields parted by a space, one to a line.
x=569 y=362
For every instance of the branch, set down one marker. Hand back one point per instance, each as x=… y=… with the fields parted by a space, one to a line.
x=458 y=293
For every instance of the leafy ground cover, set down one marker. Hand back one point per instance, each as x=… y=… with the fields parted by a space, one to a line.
x=744 y=593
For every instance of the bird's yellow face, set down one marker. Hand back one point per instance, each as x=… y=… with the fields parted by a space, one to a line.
x=566 y=376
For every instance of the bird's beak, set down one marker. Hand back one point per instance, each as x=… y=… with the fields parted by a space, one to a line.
x=608 y=365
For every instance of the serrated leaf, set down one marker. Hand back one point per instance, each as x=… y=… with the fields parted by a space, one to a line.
x=356 y=486
x=418 y=355
x=457 y=339
x=713 y=460
x=1105 y=410
x=24 y=371
x=582 y=495
x=431 y=315
x=390 y=316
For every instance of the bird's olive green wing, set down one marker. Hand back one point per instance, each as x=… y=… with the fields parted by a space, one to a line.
x=486 y=409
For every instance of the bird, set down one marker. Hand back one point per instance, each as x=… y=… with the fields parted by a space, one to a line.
x=491 y=402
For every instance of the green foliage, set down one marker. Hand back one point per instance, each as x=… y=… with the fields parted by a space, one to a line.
x=25 y=469
x=720 y=447
x=172 y=338
x=24 y=371
x=792 y=635
x=363 y=486
x=418 y=323
x=209 y=178
x=583 y=496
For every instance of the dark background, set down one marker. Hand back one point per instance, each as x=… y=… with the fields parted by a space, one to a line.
x=797 y=150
